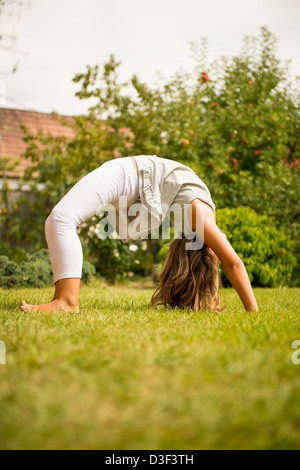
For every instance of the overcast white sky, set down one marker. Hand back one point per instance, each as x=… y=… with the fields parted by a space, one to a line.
x=60 y=37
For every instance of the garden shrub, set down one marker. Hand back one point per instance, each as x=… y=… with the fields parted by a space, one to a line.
x=36 y=271
x=265 y=250
x=111 y=258
x=88 y=271
x=10 y=273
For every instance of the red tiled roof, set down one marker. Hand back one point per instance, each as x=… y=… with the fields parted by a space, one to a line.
x=12 y=145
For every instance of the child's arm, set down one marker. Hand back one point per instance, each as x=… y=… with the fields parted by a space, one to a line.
x=232 y=263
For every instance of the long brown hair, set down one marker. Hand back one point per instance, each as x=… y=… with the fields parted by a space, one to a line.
x=189 y=278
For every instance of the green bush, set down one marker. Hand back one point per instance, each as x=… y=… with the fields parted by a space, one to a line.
x=10 y=273
x=265 y=250
x=111 y=258
x=36 y=271
x=16 y=253
x=88 y=271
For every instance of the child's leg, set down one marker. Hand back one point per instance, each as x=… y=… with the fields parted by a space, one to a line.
x=65 y=249
x=65 y=298
x=98 y=188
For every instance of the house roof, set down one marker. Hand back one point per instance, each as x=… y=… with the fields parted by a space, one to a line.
x=12 y=145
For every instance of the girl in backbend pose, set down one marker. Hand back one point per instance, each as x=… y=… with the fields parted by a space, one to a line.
x=189 y=277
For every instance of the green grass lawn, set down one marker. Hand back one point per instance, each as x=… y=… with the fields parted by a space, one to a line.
x=121 y=375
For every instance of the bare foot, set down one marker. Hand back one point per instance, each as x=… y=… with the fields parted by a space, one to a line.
x=55 y=306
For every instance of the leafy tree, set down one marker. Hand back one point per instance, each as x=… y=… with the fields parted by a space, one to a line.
x=234 y=121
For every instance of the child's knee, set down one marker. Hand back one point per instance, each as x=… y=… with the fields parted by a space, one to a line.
x=56 y=217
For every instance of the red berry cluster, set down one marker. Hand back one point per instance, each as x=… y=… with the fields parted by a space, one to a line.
x=205 y=77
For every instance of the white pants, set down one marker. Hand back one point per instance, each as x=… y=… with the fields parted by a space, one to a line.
x=102 y=186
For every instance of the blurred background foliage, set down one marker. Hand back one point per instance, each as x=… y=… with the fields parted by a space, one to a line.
x=234 y=121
